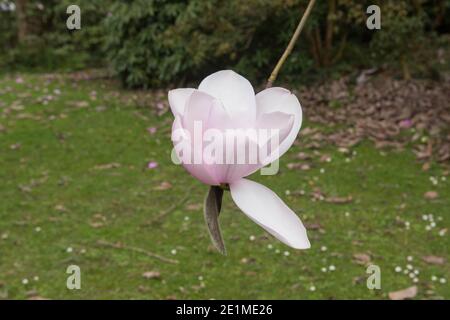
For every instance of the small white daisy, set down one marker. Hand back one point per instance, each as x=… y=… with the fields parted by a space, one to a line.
x=323 y=248
x=312 y=288
x=331 y=268
x=173 y=251
x=25 y=281
x=442 y=280
x=252 y=238
x=69 y=249
x=398 y=269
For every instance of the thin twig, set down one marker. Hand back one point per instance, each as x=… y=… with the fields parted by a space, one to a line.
x=171 y=208
x=119 y=245
x=291 y=44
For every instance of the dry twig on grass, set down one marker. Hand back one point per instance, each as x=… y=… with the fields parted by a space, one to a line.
x=171 y=208
x=119 y=245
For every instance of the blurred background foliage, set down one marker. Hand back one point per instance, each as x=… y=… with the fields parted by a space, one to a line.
x=150 y=43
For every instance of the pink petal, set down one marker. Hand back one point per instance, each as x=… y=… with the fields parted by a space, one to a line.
x=234 y=91
x=282 y=123
x=281 y=100
x=152 y=165
x=151 y=130
x=202 y=171
x=208 y=110
x=265 y=208
x=178 y=99
x=406 y=123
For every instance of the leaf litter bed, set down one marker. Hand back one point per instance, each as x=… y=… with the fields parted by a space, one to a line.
x=391 y=113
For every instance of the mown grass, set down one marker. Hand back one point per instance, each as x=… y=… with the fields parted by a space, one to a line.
x=73 y=172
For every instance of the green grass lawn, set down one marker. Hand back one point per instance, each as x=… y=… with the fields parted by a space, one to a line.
x=73 y=172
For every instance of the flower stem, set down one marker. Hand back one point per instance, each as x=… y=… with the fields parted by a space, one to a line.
x=291 y=44
x=225 y=186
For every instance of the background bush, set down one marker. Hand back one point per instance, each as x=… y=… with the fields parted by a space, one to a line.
x=160 y=42
x=48 y=44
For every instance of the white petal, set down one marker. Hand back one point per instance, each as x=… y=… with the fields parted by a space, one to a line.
x=265 y=208
x=234 y=91
x=204 y=109
x=178 y=99
x=281 y=100
x=279 y=126
x=203 y=172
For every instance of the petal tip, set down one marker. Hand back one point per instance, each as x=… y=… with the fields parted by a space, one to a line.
x=305 y=244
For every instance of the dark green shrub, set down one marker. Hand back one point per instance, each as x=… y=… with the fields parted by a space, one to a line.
x=48 y=43
x=172 y=42
x=136 y=46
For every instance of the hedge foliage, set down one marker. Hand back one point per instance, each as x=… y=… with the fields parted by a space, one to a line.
x=168 y=42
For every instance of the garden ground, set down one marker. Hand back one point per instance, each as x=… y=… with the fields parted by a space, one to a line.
x=77 y=188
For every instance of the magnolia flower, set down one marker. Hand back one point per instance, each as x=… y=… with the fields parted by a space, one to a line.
x=225 y=101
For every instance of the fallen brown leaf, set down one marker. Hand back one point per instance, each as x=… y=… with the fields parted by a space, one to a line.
x=96 y=225
x=303 y=156
x=430 y=195
x=60 y=208
x=407 y=293
x=300 y=166
x=37 y=298
x=152 y=275
x=434 y=260
x=194 y=206
x=339 y=200
x=325 y=158
x=107 y=166
x=361 y=258
x=165 y=185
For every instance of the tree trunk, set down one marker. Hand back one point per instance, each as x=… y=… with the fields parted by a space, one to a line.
x=329 y=32
x=405 y=69
x=22 y=26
